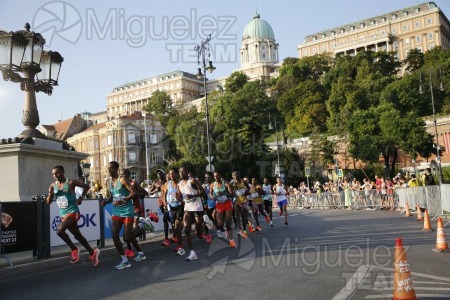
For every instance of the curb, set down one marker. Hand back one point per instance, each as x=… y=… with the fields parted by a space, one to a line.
x=61 y=259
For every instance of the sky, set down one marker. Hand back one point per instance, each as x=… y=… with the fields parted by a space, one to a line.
x=109 y=43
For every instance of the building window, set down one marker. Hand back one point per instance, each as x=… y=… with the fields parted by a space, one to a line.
x=342 y=30
x=417 y=9
x=431 y=46
x=110 y=157
x=383 y=19
x=429 y=21
x=333 y=33
x=104 y=161
x=314 y=38
x=430 y=36
x=417 y=24
x=362 y=25
x=395 y=44
x=314 y=50
x=154 y=156
x=405 y=27
x=352 y=28
x=323 y=35
x=153 y=137
x=406 y=41
x=394 y=16
x=109 y=140
x=405 y=13
x=132 y=157
x=372 y=22
x=133 y=175
x=394 y=30
x=131 y=138
x=418 y=38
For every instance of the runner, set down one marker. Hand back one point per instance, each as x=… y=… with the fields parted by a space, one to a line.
x=63 y=190
x=138 y=229
x=172 y=199
x=165 y=210
x=220 y=192
x=122 y=193
x=240 y=189
x=257 y=202
x=192 y=192
x=267 y=197
x=209 y=206
x=280 y=192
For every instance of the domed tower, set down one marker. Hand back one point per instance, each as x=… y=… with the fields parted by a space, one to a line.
x=259 y=50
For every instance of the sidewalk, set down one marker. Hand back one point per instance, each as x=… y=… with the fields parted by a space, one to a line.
x=24 y=263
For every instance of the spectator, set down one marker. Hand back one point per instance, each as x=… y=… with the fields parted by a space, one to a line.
x=429 y=179
x=413 y=182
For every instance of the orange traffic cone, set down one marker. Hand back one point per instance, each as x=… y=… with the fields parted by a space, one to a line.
x=426 y=222
x=407 y=212
x=419 y=213
x=403 y=285
x=441 y=243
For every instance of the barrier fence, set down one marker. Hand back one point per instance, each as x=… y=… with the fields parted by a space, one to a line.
x=31 y=225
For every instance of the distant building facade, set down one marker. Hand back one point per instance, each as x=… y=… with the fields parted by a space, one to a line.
x=423 y=26
x=121 y=139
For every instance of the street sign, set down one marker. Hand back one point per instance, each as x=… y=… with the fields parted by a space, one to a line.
x=277 y=169
x=210 y=168
x=209 y=159
x=340 y=173
x=307 y=171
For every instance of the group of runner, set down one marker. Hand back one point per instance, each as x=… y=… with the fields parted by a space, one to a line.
x=216 y=203
x=183 y=201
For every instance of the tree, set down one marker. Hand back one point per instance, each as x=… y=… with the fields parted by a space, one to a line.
x=383 y=130
x=236 y=81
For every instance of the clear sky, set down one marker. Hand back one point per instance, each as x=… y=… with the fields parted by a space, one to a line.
x=109 y=43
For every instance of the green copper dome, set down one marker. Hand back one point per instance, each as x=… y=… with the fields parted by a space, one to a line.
x=258 y=28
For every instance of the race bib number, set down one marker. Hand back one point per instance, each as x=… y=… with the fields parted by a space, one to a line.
x=118 y=197
x=240 y=192
x=62 y=202
x=187 y=200
x=172 y=198
x=222 y=199
x=255 y=195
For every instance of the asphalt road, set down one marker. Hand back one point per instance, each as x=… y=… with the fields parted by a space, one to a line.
x=319 y=255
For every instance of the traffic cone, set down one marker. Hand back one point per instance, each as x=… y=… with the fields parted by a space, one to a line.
x=426 y=222
x=403 y=285
x=441 y=243
x=407 y=212
x=419 y=213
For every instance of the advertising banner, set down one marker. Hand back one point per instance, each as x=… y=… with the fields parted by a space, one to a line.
x=89 y=222
x=19 y=227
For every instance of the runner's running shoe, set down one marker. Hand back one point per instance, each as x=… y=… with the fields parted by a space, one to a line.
x=232 y=244
x=181 y=251
x=129 y=253
x=258 y=228
x=243 y=234
x=166 y=243
x=123 y=265
x=94 y=257
x=208 y=238
x=140 y=256
x=192 y=256
x=251 y=229
x=75 y=256
x=267 y=219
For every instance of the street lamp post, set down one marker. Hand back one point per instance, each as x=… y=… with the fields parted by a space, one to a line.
x=278 y=168
x=86 y=169
x=437 y=146
x=203 y=52
x=147 y=171
x=22 y=52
